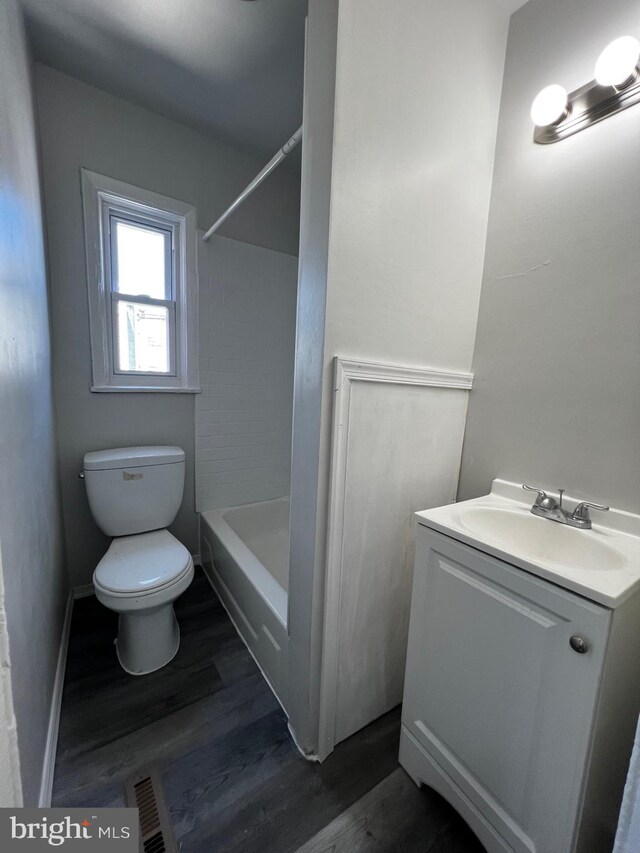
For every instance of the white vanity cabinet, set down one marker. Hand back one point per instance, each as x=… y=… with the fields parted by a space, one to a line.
x=520 y=700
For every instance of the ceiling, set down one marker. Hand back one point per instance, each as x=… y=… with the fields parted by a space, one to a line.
x=230 y=68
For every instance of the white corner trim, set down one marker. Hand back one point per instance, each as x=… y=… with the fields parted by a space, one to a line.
x=312 y=757
x=9 y=751
x=83 y=591
x=49 y=761
x=346 y=372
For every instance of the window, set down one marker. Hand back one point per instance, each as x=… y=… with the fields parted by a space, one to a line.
x=142 y=281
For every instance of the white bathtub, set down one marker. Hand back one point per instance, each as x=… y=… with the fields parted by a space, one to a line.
x=245 y=553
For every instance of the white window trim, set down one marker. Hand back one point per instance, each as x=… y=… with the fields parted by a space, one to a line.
x=100 y=195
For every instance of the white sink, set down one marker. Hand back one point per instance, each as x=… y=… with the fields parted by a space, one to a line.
x=602 y=564
x=538 y=538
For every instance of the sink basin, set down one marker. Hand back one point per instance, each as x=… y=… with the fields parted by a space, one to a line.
x=602 y=564
x=541 y=539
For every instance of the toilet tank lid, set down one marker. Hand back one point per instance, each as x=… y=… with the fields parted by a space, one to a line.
x=132 y=457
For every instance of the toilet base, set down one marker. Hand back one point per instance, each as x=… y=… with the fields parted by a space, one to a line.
x=147 y=639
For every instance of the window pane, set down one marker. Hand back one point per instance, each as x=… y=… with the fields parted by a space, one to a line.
x=143 y=337
x=140 y=260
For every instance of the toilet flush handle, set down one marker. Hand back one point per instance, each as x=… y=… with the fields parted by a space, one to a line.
x=81 y=475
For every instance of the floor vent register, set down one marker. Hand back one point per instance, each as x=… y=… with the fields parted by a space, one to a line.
x=144 y=792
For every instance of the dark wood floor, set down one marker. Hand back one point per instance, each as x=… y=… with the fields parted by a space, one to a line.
x=233 y=780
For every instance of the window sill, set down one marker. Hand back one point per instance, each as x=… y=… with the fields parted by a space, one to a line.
x=140 y=389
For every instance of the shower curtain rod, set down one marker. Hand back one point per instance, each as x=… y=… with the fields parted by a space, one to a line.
x=286 y=149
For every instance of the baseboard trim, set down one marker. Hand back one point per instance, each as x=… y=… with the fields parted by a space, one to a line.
x=49 y=762
x=83 y=591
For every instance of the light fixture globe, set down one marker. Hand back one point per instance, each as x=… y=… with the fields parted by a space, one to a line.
x=549 y=105
x=618 y=62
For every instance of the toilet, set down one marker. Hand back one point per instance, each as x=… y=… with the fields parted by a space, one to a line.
x=134 y=494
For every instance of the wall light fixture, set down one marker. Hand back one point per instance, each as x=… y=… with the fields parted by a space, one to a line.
x=616 y=86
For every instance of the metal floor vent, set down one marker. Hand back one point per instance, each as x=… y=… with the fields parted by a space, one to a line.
x=144 y=792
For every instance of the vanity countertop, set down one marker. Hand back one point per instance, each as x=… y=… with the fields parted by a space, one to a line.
x=602 y=564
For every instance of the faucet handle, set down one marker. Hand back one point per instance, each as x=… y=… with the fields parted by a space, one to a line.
x=543 y=500
x=541 y=493
x=581 y=512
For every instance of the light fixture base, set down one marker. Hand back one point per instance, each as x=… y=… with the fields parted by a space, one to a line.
x=588 y=105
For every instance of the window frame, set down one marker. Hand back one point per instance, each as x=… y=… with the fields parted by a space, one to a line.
x=105 y=199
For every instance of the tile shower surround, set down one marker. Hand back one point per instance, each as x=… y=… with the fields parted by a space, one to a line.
x=247 y=335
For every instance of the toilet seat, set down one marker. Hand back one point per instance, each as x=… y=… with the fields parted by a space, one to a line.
x=142 y=564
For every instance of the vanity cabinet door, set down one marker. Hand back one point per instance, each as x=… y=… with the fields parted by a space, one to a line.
x=495 y=693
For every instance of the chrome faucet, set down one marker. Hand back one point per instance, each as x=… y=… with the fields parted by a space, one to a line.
x=547 y=506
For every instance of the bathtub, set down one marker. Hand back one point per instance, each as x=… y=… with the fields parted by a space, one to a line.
x=245 y=553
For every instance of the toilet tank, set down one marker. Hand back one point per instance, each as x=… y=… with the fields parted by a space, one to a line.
x=134 y=489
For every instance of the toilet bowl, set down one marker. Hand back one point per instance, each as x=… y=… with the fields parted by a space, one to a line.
x=134 y=493
x=139 y=578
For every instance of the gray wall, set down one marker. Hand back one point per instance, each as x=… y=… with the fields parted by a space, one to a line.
x=31 y=557
x=85 y=127
x=247 y=315
x=556 y=400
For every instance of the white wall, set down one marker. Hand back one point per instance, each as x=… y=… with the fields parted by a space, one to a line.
x=247 y=318
x=33 y=576
x=417 y=93
x=417 y=97
x=557 y=359
x=84 y=127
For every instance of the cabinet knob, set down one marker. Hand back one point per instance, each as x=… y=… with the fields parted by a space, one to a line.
x=579 y=645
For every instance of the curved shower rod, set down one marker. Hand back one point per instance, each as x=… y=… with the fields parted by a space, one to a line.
x=275 y=161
